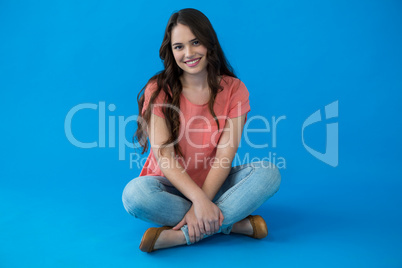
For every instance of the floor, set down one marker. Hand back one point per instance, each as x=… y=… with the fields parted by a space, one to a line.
x=60 y=203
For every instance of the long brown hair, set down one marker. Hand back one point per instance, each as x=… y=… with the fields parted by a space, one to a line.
x=168 y=79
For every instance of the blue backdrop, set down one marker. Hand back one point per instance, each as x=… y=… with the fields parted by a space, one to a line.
x=60 y=203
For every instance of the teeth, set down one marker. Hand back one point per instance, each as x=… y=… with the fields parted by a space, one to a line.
x=192 y=62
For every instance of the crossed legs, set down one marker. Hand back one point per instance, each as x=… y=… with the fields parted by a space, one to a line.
x=154 y=199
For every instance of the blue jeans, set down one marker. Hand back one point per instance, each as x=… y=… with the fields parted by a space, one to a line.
x=154 y=199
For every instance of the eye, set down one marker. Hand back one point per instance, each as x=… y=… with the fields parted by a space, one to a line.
x=196 y=42
x=177 y=47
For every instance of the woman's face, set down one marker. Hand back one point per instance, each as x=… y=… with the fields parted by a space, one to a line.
x=189 y=53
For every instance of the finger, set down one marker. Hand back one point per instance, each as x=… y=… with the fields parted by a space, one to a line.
x=207 y=228
x=216 y=225
x=221 y=218
x=201 y=226
x=191 y=233
x=212 y=227
x=197 y=233
x=180 y=224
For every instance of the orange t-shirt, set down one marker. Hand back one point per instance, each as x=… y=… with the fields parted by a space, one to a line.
x=199 y=133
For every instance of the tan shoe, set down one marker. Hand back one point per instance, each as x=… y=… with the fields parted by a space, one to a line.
x=149 y=238
x=260 y=229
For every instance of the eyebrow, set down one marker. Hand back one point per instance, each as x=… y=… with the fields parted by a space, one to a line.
x=188 y=41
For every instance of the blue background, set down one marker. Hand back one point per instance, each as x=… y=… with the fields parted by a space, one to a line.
x=60 y=205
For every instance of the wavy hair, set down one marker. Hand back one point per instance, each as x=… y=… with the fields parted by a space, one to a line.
x=168 y=79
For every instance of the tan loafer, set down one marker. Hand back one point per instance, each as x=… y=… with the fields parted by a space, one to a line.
x=149 y=238
x=260 y=229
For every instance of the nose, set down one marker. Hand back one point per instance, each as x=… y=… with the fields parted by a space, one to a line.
x=189 y=52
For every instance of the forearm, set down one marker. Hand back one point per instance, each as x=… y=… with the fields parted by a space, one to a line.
x=216 y=176
x=168 y=163
x=227 y=148
x=180 y=179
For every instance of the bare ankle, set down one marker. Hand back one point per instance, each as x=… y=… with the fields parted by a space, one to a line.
x=170 y=238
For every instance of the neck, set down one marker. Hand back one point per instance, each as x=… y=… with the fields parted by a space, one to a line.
x=197 y=82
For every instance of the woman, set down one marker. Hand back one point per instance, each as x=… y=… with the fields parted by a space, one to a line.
x=193 y=114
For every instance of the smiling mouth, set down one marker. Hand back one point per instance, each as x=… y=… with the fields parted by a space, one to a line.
x=193 y=61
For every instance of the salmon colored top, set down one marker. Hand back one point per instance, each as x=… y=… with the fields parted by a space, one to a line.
x=199 y=133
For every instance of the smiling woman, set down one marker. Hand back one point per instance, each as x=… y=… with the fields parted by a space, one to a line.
x=195 y=111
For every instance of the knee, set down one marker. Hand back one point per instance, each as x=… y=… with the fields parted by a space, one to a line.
x=130 y=196
x=269 y=175
x=135 y=194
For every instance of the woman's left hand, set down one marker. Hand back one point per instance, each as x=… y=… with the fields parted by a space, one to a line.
x=197 y=227
x=194 y=232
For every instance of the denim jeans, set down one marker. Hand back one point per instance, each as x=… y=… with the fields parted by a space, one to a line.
x=154 y=199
